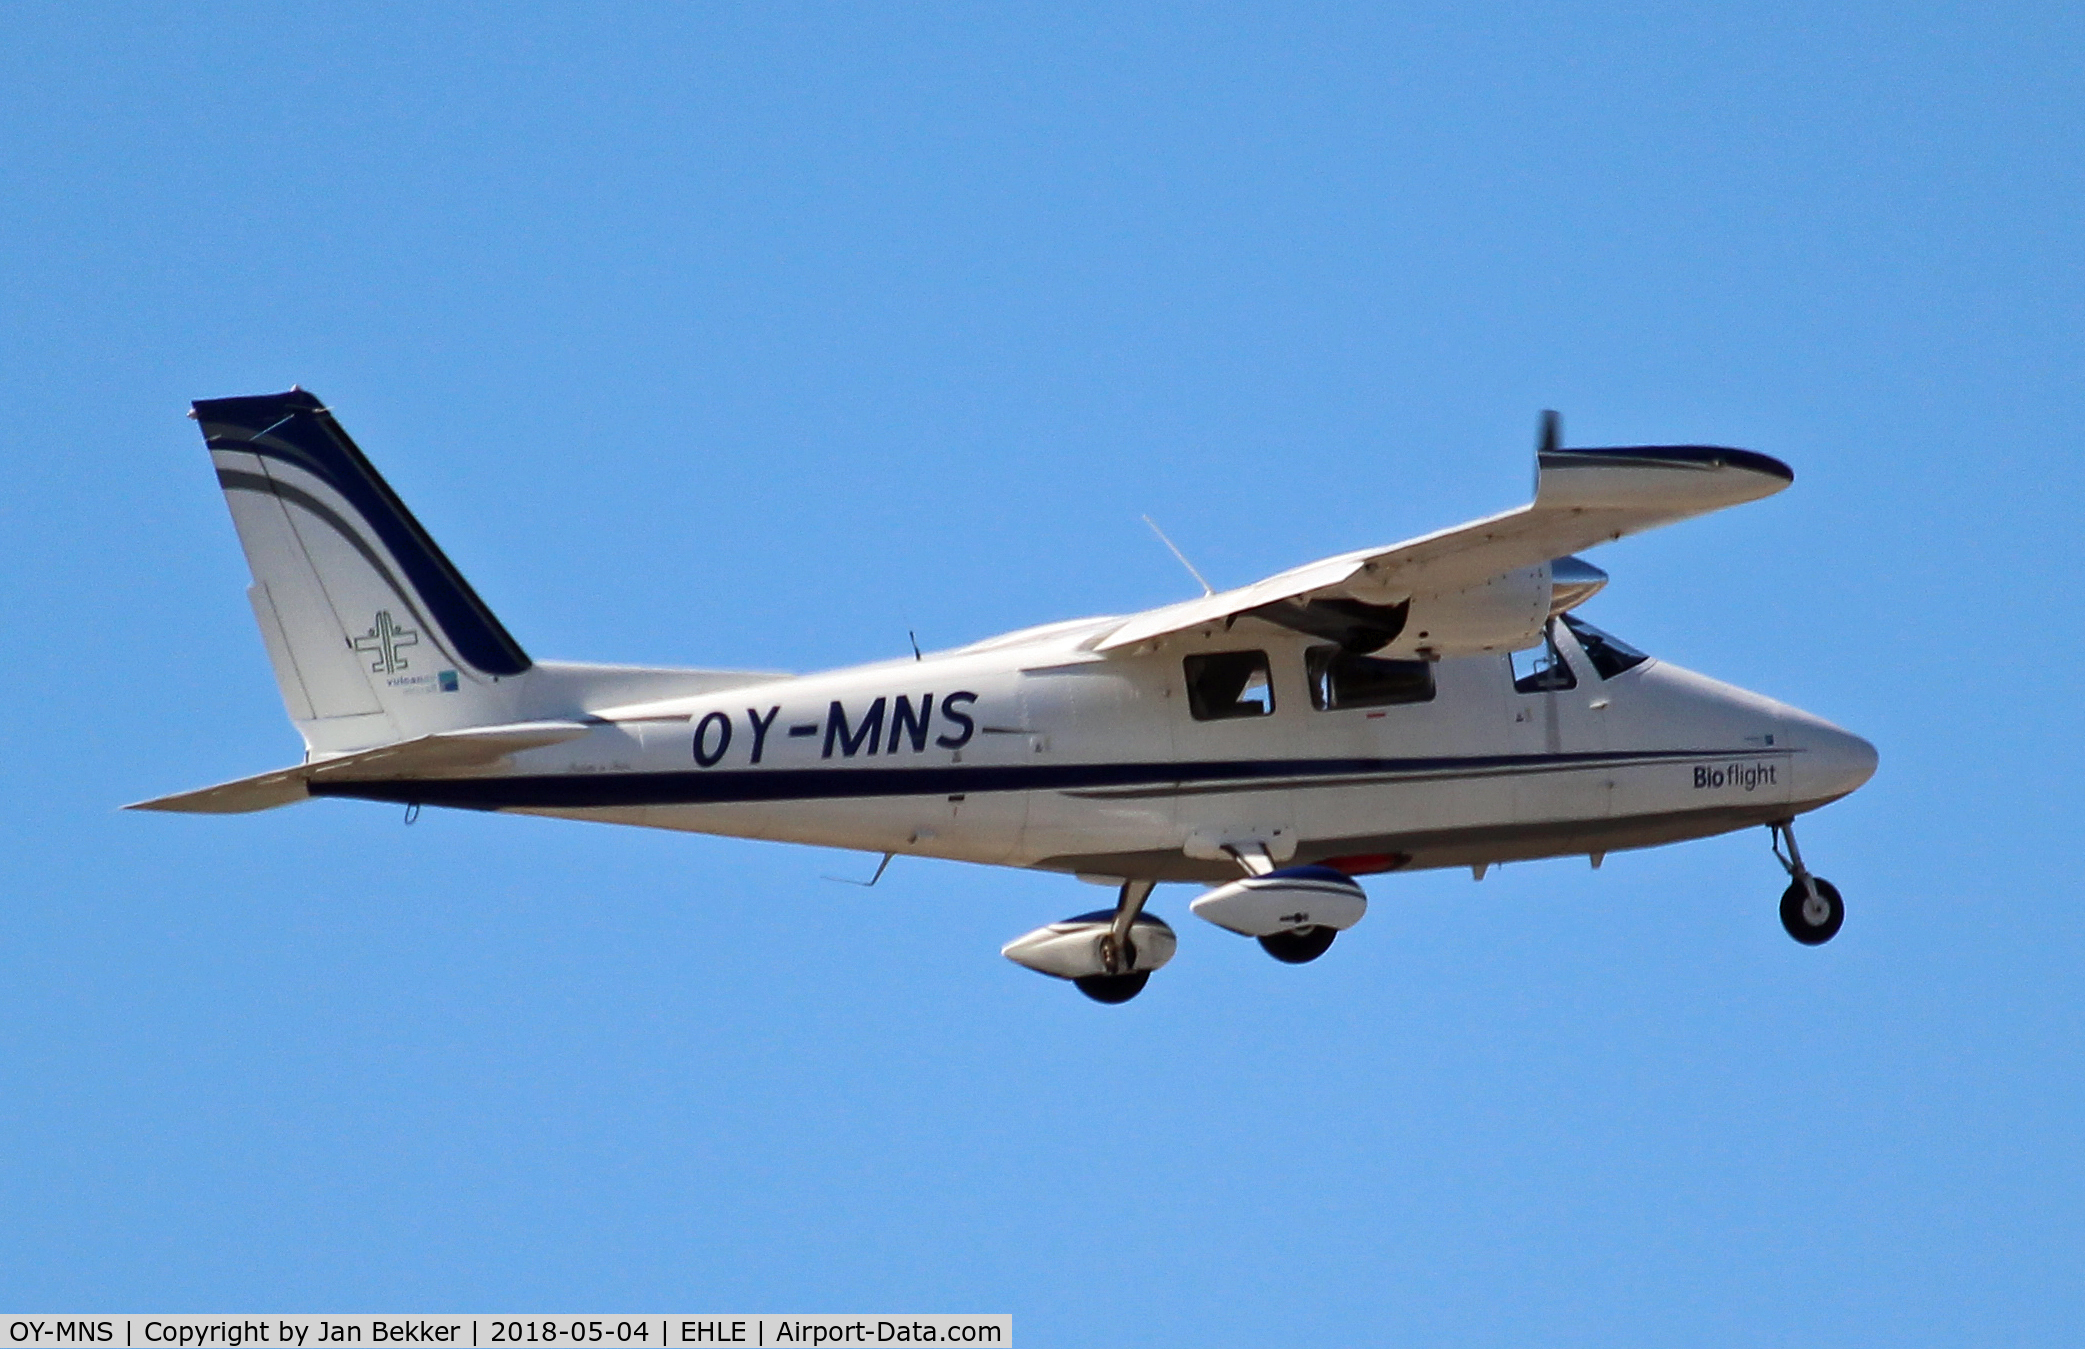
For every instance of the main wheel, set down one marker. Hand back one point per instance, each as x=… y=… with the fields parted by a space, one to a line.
x=1113 y=988
x=1813 y=922
x=1299 y=947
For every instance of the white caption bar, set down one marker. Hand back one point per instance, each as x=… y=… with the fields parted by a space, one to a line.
x=50 y=1331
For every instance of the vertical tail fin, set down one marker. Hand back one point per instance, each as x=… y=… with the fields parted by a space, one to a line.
x=374 y=634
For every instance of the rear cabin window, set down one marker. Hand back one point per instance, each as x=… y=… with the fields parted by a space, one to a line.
x=1339 y=678
x=1227 y=684
x=1542 y=669
x=1609 y=654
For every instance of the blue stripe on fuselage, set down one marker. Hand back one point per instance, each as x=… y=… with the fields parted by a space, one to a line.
x=608 y=790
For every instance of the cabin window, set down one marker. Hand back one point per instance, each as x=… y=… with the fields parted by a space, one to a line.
x=1226 y=684
x=1339 y=678
x=1542 y=669
x=1609 y=654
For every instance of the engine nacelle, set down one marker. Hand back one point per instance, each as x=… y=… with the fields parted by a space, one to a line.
x=1071 y=949
x=1286 y=900
x=1505 y=613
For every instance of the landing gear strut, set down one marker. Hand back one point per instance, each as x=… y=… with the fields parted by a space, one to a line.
x=1811 y=909
x=1118 y=954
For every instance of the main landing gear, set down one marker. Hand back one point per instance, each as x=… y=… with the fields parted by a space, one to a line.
x=1811 y=909
x=1299 y=946
x=1293 y=912
x=1120 y=980
x=1108 y=954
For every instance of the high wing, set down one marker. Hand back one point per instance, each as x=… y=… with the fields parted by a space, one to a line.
x=1488 y=585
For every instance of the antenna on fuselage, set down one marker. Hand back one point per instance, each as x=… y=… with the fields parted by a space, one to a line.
x=1207 y=589
x=881 y=867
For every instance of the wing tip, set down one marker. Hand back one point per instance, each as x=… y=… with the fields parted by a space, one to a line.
x=242 y=797
x=1677 y=456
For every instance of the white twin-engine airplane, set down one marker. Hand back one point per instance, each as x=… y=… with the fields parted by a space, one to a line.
x=1432 y=704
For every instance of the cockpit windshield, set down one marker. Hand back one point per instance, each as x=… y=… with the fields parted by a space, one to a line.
x=1610 y=655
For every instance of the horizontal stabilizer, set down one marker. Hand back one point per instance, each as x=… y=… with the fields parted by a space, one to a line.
x=284 y=787
x=429 y=756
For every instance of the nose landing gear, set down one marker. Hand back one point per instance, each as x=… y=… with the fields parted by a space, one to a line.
x=1811 y=909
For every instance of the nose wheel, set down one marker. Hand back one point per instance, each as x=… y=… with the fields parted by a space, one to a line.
x=1812 y=918
x=1811 y=909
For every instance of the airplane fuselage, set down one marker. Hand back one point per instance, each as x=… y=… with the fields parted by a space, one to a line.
x=1031 y=750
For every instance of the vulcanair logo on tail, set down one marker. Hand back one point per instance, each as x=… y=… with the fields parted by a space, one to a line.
x=386 y=642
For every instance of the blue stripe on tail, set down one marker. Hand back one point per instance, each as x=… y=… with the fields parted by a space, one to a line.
x=295 y=428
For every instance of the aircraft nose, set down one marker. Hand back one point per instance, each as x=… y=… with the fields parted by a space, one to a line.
x=1829 y=761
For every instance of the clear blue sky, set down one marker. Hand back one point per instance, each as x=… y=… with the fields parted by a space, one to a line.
x=758 y=335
